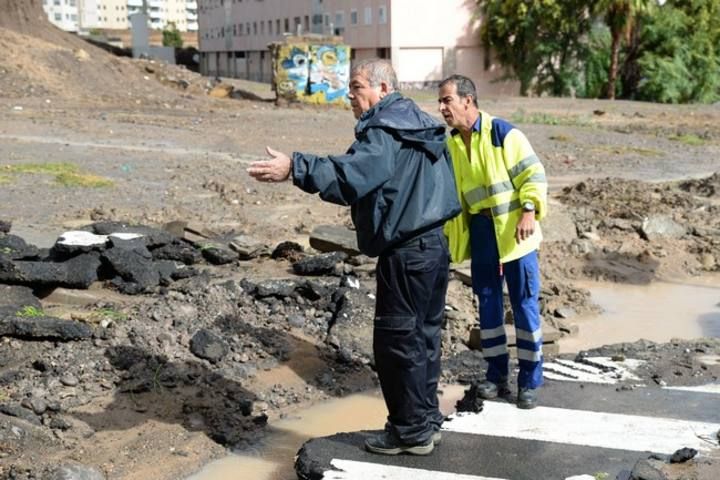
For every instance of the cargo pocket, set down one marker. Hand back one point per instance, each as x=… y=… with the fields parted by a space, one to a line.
x=532 y=279
x=395 y=323
x=395 y=341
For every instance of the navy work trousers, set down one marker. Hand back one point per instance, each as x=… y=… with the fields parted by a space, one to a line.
x=412 y=283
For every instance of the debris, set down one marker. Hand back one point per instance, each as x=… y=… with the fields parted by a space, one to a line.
x=683 y=455
x=471 y=401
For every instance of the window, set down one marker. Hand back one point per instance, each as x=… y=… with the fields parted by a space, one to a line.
x=353 y=17
x=254 y=28
x=287 y=24
x=56 y=2
x=340 y=19
x=262 y=27
x=368 y=15
x=382 y=15
x=277 y=27
x=58 y=17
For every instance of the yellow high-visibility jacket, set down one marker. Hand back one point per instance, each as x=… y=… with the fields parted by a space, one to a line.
x=501 y=174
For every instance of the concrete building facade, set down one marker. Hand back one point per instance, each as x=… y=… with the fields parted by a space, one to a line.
x=86 y=15
x=425 y=40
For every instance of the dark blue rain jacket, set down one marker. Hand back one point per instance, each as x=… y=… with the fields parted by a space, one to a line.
x=397 y=176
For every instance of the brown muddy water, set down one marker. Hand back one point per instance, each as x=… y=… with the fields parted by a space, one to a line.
x=658 y=312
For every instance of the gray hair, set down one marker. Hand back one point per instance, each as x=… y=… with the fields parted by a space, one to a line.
x=464 y=86
x=376 y=71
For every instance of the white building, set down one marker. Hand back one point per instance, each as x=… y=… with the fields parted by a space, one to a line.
x=85 y=15
x=426 y=40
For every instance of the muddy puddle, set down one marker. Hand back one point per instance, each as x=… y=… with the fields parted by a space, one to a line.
x=274 y=460
x=658 y=312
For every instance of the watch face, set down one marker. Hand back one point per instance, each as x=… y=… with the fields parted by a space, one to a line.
x=529 y=206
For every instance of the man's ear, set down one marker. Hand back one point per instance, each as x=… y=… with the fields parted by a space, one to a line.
x=467 y=101
x=384 y=89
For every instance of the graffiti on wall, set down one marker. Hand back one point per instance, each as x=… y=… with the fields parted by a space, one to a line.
x=312 y=73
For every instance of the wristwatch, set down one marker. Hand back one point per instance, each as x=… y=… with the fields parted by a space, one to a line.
x=528 y=207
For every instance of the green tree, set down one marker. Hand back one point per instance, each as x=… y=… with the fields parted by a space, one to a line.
x=620 y=17
x=171 y=36
x=680 y=59
x=539 y=42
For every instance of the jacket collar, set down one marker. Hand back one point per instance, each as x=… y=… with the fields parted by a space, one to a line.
x=475 y=128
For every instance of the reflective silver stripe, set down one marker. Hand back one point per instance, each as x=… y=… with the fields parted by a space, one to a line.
x=506 y=207
x=495 y=351
x=523 y=165
x=529 y=355
x=537 y=178
x=534 y=337
x=489 y=333
x=481 y=193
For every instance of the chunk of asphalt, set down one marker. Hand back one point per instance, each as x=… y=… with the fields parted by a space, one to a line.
x=18 y=296
x=471 y=401
x=178 y=251
x=218 y=255
x=323 y=264
x=683 y=455
x=644 y=470
x=134 y=265
x=16 y=248
x=41 y=327
x=77 y=272
x=76 y=242
x=209 y=346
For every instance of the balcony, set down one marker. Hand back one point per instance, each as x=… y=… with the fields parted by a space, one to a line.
x=135 y=3
x=191 y=16
x=191 y=5
x=192 y=27
x=156 y=4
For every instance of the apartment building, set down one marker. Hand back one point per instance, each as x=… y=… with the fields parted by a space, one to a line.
x=85 y=15
x=425 y=40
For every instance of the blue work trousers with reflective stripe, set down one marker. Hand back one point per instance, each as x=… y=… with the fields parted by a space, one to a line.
x=523 y=282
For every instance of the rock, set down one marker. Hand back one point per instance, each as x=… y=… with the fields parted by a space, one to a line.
x=16 y=248
x=5 y=226
x=76 y=472
x=37 y=405
x=18 y=296
x=644 y=470
x=247 y=247
x=323 y=264
x=297 y=321
x=289 y=250
x=41 y=327
x=708 y=262
x=134 y=265
x=334 y=238
x=683 y=455
x=178 y=251
x=271 y=288
x=152 y=237
x=471 y=401
x=658 y=226
x=209 y=346
x=218 y=255
x=352 y=325
x=19 y=412
x=77 y=272
x=69 y=380
x=565 y=312
x=75 y=242
x=567 y=328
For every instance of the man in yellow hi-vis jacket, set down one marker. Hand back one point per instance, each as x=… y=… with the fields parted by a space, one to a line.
x=503 y=191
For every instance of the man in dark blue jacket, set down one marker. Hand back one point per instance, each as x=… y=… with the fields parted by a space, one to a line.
x=398 y=180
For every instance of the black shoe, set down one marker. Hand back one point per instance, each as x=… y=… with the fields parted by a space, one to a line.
x=489 y=390
x=385 y=444
x=527 y=398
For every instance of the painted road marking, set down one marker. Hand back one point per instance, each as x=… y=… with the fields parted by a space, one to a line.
x=587 y=428
x=709 y=388
x=352 y=470
x=592 y=370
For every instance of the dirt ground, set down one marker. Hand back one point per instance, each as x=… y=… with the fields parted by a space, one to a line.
x=635 y=197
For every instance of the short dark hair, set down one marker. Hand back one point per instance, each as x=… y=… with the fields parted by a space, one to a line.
x=465 y=87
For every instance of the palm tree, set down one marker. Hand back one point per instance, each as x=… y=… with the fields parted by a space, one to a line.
x=620 y=17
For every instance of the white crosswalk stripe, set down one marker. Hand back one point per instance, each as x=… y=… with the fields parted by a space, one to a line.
x=587 y=432
x=594 y=429
x=352 y=470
